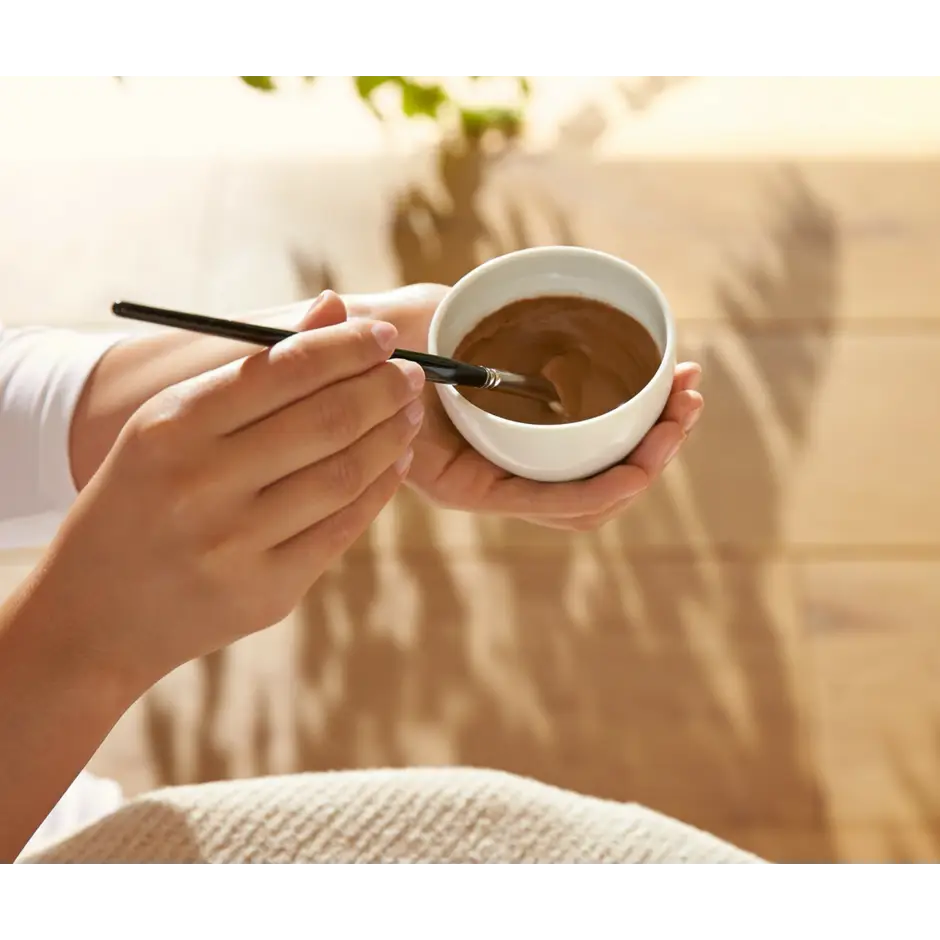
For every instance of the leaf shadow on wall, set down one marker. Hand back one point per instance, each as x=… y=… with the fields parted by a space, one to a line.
x=598 y=662
x=921 y=840
x=593 y=662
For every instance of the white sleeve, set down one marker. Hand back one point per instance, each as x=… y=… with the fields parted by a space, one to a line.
x=42 y=374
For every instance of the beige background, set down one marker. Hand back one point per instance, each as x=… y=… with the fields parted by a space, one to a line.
x=754 y=648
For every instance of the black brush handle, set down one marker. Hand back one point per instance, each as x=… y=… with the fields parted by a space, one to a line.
x=437 y=369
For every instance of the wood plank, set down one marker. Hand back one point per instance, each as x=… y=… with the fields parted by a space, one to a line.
x=825 y=241
x=874 y=843
x=790 y=708
x=873 y=649
x=674 y=685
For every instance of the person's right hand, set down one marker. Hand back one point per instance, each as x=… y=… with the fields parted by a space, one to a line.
x=225 y=497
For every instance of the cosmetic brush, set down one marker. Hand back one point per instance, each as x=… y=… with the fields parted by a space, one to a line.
x=438 y=369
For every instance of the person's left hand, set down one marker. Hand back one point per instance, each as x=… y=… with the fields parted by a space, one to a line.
x=451 y=473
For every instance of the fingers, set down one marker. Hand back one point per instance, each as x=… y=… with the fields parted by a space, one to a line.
x=312 y=550
x=323 y=312
x=646 y=462
x=322 y=489
x=684 y=408
x=590 y=503
x=515 y=496
x=687 y=377
x=325 y=423
x=243 y=392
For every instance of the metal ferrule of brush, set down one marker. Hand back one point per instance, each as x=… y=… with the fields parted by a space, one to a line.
x=493 y=378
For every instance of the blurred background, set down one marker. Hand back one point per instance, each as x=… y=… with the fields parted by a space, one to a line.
x=754 y=648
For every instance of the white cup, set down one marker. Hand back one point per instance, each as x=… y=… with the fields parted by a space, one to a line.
x=558 y=452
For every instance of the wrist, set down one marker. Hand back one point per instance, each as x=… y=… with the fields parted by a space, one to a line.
x=42 y=638
x=55 y=712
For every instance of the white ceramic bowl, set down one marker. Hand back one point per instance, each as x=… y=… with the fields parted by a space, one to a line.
x=553 y=453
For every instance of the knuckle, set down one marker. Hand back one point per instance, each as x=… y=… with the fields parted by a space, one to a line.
x=153 y=436
x=291 y=357
x=401 y=429
x=345 y=476
x=401 y=432
x=339 y=416
x=396 y=385
x=365 y=347
x=347 y=525
x=343 y=530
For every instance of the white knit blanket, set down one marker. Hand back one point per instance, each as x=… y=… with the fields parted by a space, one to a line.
x=419 y=815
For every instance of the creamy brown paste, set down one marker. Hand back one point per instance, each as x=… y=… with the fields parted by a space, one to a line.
x=596 y=357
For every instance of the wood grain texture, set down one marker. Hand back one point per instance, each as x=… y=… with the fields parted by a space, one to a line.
x=752 y=649
x=749 y=698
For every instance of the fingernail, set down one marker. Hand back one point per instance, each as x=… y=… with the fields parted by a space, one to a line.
x=690 y=420
x=318 y=302
x=404 y=462
x=415 y=411
x=414 y=373
x=672 y=453
x=385 y=335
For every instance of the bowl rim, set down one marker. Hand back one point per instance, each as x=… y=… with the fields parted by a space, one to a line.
x=487 y=269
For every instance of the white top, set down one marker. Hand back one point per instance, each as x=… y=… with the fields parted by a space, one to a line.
x=42 y=374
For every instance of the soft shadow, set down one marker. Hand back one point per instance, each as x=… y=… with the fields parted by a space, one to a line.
x=921 y=841
x=144 y=831
x=314 y=276
x=640 y=94
x=165 y=737
x=607 y=667
x=668 y=679
x=595 y=662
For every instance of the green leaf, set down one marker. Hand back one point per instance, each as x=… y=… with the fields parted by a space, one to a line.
x=261 y=82
x=477 y=121
x=367 y=84
x=524 y=85
x=417 y=99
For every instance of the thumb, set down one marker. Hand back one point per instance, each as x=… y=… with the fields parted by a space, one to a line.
x=327 y=310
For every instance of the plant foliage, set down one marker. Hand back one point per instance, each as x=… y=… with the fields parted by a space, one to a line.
x=420 y=99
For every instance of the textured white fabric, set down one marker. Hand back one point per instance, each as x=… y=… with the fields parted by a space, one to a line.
x=420 y=815
x=87 y=800
x=42 y=374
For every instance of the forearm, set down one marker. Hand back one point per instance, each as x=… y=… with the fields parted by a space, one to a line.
x=134 y=371
x=55 y=711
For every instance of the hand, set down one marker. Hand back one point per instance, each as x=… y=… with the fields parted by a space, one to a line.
x=450 y=472
x=227 y=495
